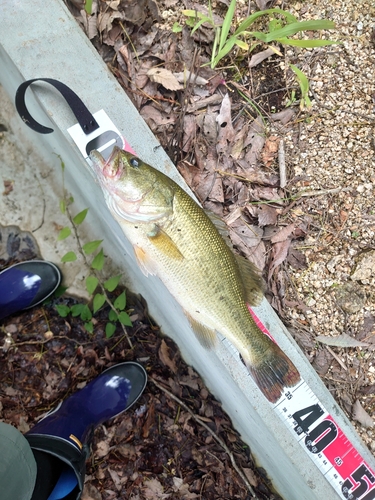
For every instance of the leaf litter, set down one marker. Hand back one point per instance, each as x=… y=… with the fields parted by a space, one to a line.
x=223 y=129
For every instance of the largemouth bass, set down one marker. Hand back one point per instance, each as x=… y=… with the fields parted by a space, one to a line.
x=174 y=239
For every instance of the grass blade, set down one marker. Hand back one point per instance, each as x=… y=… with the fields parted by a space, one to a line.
x=227 y=24
x=250 y=20
x=293 y=28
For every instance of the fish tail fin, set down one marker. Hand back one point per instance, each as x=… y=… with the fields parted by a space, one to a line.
x=274 y=373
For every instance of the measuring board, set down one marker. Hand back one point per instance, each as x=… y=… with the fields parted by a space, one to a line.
x=323 y=440
x=298 y=408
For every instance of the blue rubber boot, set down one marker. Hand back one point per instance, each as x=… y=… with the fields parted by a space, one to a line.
x=61 y=440
x=27 y=284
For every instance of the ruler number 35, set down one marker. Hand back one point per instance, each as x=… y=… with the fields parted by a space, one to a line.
x=321 y=436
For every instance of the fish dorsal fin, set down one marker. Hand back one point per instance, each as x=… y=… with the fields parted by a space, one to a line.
x=164 y=243
x=220 y=226
x=252 y=281
x=145 y=264
x=206 y=336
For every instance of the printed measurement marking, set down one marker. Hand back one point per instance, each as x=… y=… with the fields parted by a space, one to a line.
x=323 y=440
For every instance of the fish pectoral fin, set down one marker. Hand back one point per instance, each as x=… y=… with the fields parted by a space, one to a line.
x=252 y=281
x=146 y=265
x=164 y=243
x=206 y=336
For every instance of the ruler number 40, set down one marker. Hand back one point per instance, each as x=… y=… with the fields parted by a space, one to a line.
x=320 y=436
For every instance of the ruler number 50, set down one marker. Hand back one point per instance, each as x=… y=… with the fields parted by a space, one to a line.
x=327 y=429
x=358 y=477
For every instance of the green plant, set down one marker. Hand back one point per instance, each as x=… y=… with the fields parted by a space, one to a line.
x=303 y=85
x=94 y=263
x=281 y=26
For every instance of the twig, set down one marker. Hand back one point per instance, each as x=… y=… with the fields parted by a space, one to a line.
x=282 y=167
x=341 y=363
x=320 y=192
x=215 y=436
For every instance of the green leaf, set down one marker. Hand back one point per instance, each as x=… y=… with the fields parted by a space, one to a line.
x=98 y=261
x=112 y=283
x=199 y=24
x=60 y=290
x=251 y=19
x=89 y=326
x=77 y=309
x=227 y=23
x=304 y=86
x=79 y=218
x=242 y=45
x=98 y=302
x=110 y=329
x=307 y=43
x=69 y=257
x=112 y=316
x=86 y=314
x=124 y=319
x=64 y=233
x=224 y=51
x=293 y=28
x=120 y=302
x=62 y=206
x=176 y=28
x=88 y=7
x=91 y=284
x=91 y=246
x=63 y=311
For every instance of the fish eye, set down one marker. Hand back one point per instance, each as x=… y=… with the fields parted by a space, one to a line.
x=134 y=162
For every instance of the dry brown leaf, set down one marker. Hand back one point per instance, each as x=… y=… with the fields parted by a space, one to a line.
x=283 y=116
x=279 y=254
x=264 y=4
x=260 y=56
x=283 y=234
x=322 y=361
x=266 y=215
x=153 y=489
x=343 y=340
x=361 y=415
x=187 y=76
x=255 y=139
x=90 y=492
x=249 y=234
x=165 y=78
x=251 y=477
x=225 y=128
x=102 y=449
x=270 y=150
x=149 y=112
x=165 y=357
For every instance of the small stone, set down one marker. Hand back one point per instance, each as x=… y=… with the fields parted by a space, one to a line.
x=365 y=266
x=350 y=297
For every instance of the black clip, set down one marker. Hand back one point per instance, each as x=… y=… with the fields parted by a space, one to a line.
x=83 y=115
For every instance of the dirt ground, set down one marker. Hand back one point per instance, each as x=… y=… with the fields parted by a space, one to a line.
x=312 y=235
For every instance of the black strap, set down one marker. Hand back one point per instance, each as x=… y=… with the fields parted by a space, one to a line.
x=83 y=115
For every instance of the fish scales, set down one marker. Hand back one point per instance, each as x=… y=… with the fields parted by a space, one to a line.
x=176 y=240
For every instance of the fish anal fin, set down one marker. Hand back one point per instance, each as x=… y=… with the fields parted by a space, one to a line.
x=206 y=336
x=274 y=373
x=164 y=243
x=145 y=264
x=252 y=281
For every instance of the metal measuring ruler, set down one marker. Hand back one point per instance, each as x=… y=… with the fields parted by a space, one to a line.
x=323 y=440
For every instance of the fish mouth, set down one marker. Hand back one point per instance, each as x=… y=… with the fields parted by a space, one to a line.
x=110 y=168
